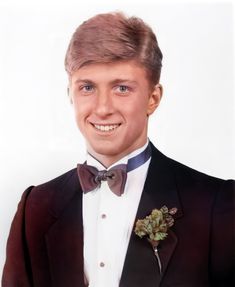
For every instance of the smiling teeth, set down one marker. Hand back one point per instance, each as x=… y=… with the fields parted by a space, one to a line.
x=106 y=128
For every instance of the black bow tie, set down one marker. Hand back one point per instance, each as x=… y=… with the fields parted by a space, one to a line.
x=90 y=178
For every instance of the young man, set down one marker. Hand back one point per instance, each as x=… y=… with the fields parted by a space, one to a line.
x=78 y=229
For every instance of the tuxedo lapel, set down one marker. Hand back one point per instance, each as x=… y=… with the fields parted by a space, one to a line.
x=141 y=265
x=64 y=240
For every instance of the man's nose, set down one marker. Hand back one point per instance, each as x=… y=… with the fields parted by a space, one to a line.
x=104 y=104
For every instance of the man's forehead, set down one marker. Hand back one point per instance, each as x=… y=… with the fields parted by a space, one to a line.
x=119 y=71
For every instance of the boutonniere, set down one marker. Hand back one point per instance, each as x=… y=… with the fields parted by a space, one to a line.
x=155 y=227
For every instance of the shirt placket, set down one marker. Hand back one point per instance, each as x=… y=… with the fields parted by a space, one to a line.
x=103 y=238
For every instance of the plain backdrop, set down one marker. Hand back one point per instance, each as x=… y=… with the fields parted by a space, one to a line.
x=38 y=136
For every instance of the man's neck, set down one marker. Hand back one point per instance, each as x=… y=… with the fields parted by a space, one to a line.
x=109 y=160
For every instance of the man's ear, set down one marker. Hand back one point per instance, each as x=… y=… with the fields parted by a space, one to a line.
x=154 y=99
x=69 y=95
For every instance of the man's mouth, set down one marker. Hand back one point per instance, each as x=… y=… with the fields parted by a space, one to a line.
x=106 y=128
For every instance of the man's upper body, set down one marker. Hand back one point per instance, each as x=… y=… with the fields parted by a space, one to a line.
x=45 y=246
x=64 y=236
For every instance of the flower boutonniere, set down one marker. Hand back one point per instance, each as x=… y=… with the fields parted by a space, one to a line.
x=155 y=227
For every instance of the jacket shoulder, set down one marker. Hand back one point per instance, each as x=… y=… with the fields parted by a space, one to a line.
x=55 y=184
x=186 y=176
x=53 y=194
x=186 y=173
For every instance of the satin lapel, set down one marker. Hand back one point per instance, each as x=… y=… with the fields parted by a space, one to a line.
x=141 y=266
x=64 y=240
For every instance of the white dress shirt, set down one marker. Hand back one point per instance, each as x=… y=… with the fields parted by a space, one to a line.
x=108 y=222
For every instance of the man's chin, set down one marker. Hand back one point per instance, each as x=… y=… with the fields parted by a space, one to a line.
x=105 y=149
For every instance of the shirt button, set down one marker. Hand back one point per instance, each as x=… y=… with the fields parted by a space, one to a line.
x=102 y=264
x=103 y=216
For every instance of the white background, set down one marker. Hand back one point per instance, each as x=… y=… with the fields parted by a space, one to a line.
x=38 y=137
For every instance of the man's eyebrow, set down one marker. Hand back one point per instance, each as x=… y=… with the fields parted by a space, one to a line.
x=123 y=80
x=83 y=81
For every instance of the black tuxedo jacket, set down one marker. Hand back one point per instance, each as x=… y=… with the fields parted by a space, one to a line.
x=45 y=245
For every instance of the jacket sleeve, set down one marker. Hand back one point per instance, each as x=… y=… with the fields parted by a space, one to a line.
x=16 y=272
x=222 y=252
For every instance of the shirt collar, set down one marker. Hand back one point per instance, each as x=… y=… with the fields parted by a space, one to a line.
x=94 y=162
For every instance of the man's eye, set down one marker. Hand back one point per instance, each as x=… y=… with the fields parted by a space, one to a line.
x=87 y=88
x=123 y=89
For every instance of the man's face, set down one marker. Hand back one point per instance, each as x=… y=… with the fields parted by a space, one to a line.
x=112 y=103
